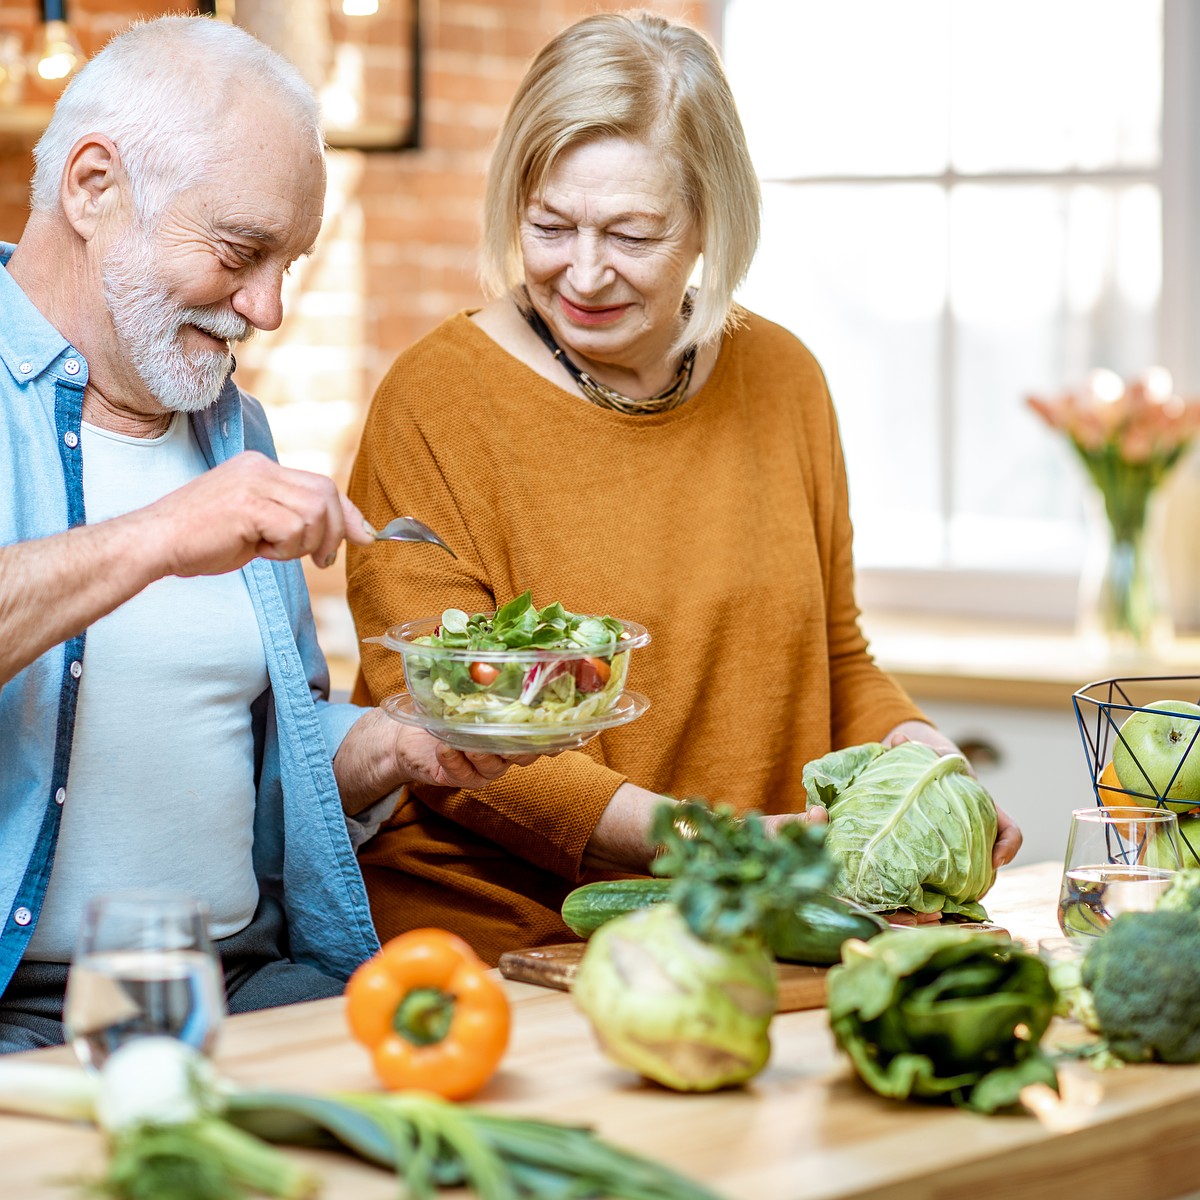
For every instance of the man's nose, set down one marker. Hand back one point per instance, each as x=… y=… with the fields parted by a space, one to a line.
x=260 y=300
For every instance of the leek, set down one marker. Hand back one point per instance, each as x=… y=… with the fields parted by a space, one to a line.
x=176 y=1129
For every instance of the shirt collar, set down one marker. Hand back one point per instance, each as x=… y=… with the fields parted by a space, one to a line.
x=29 y=344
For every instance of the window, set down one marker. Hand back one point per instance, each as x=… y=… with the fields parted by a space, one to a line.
x=963 y=203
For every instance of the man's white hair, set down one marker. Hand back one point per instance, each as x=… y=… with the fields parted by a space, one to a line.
x=162 y=92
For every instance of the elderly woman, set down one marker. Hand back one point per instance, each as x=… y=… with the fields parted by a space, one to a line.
x=612 y=438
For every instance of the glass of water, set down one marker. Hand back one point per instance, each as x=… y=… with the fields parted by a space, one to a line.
x=144 y=965
x=1118 y=860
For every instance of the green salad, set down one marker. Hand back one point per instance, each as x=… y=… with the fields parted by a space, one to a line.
x=521 y=674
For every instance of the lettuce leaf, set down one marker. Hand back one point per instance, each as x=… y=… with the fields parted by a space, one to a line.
x=910 y=828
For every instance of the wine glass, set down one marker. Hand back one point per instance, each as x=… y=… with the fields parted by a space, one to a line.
x=1119 y=859
x=143 y=966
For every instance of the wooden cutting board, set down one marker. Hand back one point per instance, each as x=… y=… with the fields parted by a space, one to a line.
x=800 y=986
x=555 y=966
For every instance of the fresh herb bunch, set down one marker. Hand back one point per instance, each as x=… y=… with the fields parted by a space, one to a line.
x=732 y=874
x=519 y=625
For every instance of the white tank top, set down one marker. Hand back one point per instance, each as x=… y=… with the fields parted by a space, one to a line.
x=161 y=786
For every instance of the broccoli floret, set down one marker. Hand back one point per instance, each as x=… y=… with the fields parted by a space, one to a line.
x=1184 y=893
x=1144 y=977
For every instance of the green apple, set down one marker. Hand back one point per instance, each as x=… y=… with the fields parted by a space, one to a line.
x=1155 y=743
x=1189 y=841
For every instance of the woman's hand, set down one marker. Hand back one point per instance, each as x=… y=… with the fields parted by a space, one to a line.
x=1008 y=834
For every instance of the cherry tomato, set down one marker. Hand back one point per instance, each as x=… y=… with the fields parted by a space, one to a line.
x=591 y=674
x=484 y=673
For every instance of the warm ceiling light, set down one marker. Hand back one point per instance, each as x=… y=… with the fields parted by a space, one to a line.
x=360 y=8
x=59 y=56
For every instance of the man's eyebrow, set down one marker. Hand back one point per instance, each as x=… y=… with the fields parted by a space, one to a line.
x=262 y=235
x=252 y=233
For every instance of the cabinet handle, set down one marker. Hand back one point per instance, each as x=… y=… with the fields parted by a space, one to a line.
x=979 y=752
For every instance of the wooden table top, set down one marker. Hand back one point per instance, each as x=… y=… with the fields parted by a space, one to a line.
x=803 y=1130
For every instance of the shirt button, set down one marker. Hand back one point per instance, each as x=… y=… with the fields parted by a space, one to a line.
x=71 y=438
x=60 y=795
x=76 y=669
x=25 y=368
x=224 y=428
x=22 y=916
x=71 y=366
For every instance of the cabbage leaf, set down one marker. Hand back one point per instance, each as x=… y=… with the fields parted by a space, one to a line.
x=909 y=828
x=943 y=1014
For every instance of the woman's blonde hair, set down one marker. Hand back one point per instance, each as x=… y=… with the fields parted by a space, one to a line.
x=640 y=77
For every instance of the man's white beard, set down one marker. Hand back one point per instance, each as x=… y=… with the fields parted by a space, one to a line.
x=149 y=325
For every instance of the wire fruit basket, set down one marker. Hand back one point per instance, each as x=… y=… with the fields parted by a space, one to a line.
x=1154 y=763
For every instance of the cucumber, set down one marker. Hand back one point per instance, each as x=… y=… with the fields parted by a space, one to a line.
x=814 y=933
x=588 y=907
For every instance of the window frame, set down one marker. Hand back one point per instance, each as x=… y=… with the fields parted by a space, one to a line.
x=1034 y=595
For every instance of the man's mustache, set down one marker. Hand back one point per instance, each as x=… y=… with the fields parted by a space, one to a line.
x=219 y=323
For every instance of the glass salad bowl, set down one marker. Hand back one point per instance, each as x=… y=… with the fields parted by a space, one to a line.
x=530 y=738
x=517 y=680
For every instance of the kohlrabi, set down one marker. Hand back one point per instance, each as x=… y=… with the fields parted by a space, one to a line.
x=684 y=992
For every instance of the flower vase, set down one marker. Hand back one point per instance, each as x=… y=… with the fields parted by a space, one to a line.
x=1122 y=597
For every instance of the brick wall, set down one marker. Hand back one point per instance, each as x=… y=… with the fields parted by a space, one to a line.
x=398 y=249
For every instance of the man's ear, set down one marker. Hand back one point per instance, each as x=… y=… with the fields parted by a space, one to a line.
x=93 y=184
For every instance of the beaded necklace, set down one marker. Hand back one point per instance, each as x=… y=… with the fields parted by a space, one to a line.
x=672 y=396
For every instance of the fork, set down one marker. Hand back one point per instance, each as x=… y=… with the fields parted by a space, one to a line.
x=406 y=529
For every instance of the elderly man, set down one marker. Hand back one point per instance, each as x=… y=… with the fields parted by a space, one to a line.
x=164 y=719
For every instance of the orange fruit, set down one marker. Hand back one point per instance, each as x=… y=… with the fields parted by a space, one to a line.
x=1109 y=789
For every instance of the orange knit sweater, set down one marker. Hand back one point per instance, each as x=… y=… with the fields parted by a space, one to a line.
x=722 y=526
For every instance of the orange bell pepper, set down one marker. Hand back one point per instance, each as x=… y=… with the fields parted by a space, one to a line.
x=430 y=1014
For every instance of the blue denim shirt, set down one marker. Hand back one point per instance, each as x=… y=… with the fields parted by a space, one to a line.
x=302 y=849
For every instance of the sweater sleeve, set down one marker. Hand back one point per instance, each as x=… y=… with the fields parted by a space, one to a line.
x=866 y=702
x=545 y=813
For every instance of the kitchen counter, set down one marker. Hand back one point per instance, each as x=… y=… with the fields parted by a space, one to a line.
x=805 y=1129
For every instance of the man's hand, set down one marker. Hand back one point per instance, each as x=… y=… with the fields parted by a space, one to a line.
x=53 y=587
x=246 y=508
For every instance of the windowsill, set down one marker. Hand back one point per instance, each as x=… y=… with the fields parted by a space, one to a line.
x=1007 y=662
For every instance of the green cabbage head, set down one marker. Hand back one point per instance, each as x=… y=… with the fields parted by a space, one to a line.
x=943 y=1014
x=908 y=827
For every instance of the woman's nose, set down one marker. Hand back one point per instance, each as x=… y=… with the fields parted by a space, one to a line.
x=589 y=270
